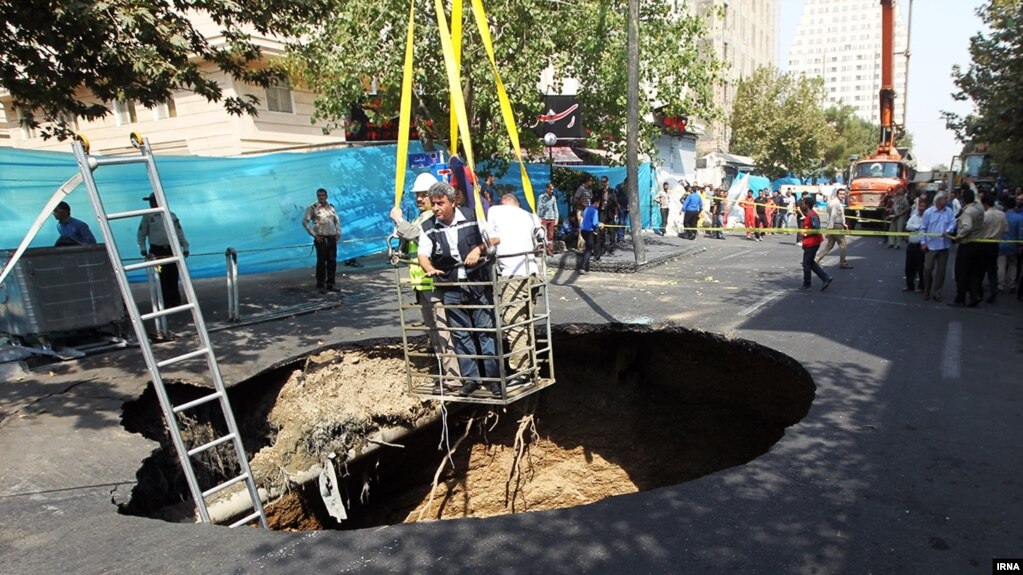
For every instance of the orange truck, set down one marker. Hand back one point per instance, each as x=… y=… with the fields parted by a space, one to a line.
x=885 y=170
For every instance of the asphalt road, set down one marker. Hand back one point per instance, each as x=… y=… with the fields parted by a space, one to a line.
x=908 y=461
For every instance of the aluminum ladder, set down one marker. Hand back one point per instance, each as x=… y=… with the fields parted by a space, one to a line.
x=87 y=164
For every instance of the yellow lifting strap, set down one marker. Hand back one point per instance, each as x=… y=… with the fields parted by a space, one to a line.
x=456 y=41
x=405 y=109
x=502 y=96
x=458 y=101
x=452 y=59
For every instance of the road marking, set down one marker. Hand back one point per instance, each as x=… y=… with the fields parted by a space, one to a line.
x=763 y=301
x=742 y=253
x=951 y=356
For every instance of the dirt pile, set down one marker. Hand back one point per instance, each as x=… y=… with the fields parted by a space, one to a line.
x=334 y=404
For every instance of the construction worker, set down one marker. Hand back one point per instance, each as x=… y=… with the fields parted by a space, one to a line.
x=429 y=300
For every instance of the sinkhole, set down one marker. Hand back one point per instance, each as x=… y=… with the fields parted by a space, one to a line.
x=635 y=407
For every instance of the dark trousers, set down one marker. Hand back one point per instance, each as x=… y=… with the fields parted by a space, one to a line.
x=914 y=266
x=810 y=265
x=168 y=278
x=989 y=259
x=598 y=243
x=690 y=220
x=969 y=270
x=761 y=224
x=584 y=260
x=475 y=342
x=326 y=260
x=623 y=221
x=608 y=238
x=664 y=221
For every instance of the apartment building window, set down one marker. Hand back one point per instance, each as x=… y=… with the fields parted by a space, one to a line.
x=278 y=99
x=27 y=131
x=70 y=120
x=165 y=110
x=124 y=112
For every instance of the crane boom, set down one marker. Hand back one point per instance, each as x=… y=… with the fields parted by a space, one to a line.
x=886 y=139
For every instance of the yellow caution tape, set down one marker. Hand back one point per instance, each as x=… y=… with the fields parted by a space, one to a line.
x=829 y=232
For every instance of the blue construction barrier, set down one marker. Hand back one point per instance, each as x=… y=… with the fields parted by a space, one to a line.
x=254 y=204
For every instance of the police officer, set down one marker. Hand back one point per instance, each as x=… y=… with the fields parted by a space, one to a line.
x=151 y=228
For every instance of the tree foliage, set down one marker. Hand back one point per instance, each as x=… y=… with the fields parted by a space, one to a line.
x=854 y=136
x=993 y=82
x=778 y=120
x=54 y=54
x=364 y=41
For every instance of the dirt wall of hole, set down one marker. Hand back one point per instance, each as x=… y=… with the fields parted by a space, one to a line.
x=635 y=408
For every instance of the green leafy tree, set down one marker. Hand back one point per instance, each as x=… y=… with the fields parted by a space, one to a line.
x=364 y=42
x=993 y=82
x=58 y=57
x=854 y=136
x=778 y=120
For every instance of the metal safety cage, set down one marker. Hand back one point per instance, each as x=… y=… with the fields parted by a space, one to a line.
x=521 y=327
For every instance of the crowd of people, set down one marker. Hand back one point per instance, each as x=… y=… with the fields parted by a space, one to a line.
x=986 y=229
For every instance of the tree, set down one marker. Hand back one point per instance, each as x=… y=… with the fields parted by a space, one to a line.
x=854 y=136
x=58 y=57
x=778 y=120
x=993 y=82
x=363 y=42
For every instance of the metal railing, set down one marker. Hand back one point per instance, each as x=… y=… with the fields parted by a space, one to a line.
x=531 y=326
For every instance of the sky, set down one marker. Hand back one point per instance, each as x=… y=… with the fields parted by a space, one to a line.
x=939 y=38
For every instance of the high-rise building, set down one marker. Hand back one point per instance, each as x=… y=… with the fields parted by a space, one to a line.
x=743 y=36
x=840 y=41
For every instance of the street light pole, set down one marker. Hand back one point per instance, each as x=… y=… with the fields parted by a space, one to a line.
x=550 y=139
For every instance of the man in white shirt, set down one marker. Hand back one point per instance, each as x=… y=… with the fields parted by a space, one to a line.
x=321 y=222
x=836 y=221
x=512 y=230
x=151 y=229
x=937 y=222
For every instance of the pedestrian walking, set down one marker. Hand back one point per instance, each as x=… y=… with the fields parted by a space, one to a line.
x=812 y=240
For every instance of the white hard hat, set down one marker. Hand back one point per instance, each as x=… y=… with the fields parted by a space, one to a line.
x=423 y=182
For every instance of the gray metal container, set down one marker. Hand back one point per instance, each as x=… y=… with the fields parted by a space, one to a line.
x=59 y=289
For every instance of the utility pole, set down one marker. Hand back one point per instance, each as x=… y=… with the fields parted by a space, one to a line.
x=905 y=89
x=632 y=134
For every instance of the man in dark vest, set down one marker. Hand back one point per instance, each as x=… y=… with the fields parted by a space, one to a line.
x=450 y=248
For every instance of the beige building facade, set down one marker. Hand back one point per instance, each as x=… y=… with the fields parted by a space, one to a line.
x=187 y=124
x=743 y=34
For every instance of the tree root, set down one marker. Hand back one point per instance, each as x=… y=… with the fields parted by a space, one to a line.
x=440 y=469
x=521 y=447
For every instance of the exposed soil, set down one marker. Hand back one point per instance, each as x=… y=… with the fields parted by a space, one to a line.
x=333 y=405
x=634 y=408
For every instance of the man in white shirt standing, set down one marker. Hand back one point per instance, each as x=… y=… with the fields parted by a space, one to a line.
x=937 y=222
x=513 y=230
x=836 y=221
x=151 y=229
x=322 y=223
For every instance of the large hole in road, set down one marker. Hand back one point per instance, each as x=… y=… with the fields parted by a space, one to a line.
x=634 y=408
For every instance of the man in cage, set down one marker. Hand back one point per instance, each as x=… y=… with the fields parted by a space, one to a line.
x=428 y=298
x=513 y=230
x=451 y=249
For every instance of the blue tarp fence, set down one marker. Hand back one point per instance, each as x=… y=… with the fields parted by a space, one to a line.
x=252 y=204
